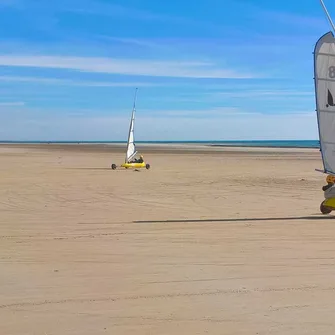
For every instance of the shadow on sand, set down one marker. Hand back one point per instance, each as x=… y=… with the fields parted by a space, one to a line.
x=98 y=169
x=318 y=217
x=89 y=168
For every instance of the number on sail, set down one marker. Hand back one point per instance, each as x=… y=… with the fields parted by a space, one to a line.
x=331 y=72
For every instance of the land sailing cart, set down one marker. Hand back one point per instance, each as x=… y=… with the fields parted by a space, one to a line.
x=324 y=80
x=130 y=162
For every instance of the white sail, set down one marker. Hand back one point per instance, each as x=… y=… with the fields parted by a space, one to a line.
x=131 y=149
x=324 y=77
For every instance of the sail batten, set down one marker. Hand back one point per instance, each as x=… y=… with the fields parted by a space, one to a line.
x=326 y=54
x=327 y=79
x=131 y=148
x=324 y=80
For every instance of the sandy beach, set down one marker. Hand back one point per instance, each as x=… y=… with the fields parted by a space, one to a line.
x=210 y=240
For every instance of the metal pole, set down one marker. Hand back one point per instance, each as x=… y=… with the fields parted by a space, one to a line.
x=328 y=16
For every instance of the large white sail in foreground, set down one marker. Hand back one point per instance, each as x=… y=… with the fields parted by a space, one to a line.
x=131 y=149
x=324 y=77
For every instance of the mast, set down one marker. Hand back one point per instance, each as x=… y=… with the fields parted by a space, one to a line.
x=135 y=97
x=131 y=149
x=327 y=14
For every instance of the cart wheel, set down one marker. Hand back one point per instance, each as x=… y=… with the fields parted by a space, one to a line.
x=324 y=209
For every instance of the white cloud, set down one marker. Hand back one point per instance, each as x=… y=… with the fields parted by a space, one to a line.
x=27 y=124
x=14 y=104
x=69 y=82
x=193 y=114
x=264 y=94
x=125 y=67
x=146 y=43
x=109 y=9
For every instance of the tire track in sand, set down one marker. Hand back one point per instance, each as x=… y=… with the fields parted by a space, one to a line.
x=163 y=296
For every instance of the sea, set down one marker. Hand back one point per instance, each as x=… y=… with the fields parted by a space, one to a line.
x=262 y=143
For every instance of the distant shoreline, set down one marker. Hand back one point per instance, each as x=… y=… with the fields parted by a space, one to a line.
x=262 y=146
x=294 y=144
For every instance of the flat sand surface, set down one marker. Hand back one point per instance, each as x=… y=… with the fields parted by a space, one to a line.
x=208 y=241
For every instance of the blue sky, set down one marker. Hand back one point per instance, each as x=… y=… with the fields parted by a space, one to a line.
x=206 y=70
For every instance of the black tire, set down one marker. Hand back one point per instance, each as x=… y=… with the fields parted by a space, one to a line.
x=113 y=166
x=147 y=166
x=324 y=209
